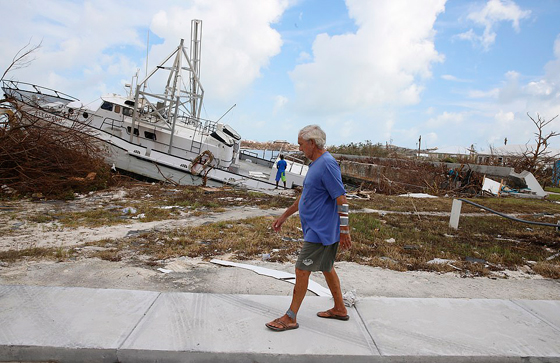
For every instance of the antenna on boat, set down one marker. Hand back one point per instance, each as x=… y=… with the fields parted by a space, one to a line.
x=147 y=53
x=235 y=104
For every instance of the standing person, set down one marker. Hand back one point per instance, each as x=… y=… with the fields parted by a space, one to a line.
x=323 y=211
x=281 y=173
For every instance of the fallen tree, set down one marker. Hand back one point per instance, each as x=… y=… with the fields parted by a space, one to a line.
x=45 y=159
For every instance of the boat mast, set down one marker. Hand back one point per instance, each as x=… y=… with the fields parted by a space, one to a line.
x=162 y=110
x=196 y=43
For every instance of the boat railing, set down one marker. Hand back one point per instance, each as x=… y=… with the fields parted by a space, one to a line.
x=19 y=87
x=249 y=152
x=298 y=163
x=112 y=122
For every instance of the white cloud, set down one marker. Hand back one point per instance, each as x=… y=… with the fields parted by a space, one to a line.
x=511 y=89
x=493 y=93
x=304 y=57
x=449 y=77
x=279 y=103
x=446 y=119
x=429 y=140
x=494 y=12
x=375 y=65
x=504 y=119
x=102 y=42
x=539 y=88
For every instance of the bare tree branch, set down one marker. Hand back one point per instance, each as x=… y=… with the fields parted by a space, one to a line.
x=22 y=59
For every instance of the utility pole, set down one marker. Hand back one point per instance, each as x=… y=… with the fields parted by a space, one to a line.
x=419 y=144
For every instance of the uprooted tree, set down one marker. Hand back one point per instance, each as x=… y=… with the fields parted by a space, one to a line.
x=537 y=159
x=44 y=158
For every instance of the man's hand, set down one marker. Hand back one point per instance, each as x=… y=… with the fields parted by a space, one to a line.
x=345 y=241
x=278 y=224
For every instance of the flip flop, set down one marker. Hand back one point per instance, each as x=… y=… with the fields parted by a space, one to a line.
x=284 y=325
x=330 y=315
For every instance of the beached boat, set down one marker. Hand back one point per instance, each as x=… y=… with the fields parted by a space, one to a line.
x=161 y=135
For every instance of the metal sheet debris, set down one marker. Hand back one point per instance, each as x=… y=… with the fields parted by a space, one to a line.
x=417 y=195
x=280 y=275
x=491 y=186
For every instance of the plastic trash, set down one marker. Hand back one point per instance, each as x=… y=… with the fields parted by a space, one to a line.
x=350 y=298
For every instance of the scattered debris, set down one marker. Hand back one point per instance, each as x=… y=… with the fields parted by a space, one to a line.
x=440 y=261
x=350 y=298
x=164 y=270
x=491 y=186
x=523 y=184
x=390 y=240
x=553 y=257
x=418 y=195
x=129 y=210
x=280 y=275
x=475 y=260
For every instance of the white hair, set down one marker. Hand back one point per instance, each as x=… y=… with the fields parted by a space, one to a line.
x=315 y=133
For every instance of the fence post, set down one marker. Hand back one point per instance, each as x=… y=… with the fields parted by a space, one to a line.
x=455 y=214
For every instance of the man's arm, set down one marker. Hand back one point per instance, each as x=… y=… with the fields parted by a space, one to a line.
x=291 y=210
x=345 y=240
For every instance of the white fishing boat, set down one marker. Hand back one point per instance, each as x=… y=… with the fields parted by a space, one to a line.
x=161 y=135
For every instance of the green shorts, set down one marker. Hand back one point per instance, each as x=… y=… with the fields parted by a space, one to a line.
x=316 y=257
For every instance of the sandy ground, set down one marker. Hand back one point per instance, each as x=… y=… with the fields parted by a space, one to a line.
x=196 y=275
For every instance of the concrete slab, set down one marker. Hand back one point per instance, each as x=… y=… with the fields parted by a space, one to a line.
x=67 y=324
x=186 y=327
x=546 y=310
x=476 y=330
x=84 y=325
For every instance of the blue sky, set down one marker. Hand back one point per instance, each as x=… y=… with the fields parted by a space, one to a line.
x=457 y=73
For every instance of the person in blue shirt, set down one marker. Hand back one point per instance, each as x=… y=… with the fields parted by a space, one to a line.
x=281 y=173
x=323 y=211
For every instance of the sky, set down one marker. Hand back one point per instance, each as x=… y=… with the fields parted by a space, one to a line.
x=450 y=73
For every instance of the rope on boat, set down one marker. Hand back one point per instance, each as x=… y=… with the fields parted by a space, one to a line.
x=204 y=163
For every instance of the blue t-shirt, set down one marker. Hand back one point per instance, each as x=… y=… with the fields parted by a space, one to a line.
x=317 y=206
x=281 y=165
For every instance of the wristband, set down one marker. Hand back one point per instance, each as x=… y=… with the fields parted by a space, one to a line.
x=344 y=231
x=344 y=221
x=343 y=208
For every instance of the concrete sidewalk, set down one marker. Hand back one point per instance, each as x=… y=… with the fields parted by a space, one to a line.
x=65 y=324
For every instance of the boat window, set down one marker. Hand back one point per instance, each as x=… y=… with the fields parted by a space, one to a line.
x=107 y=106
x=136 y=132
x=117 y=109
x=150 y=135
x=127 y=111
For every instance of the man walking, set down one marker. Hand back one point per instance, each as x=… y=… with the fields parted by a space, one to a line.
x=323 y=211
x=281 y=173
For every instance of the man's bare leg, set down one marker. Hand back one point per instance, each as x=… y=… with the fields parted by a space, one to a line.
x=334 y=285
x=300 y=289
